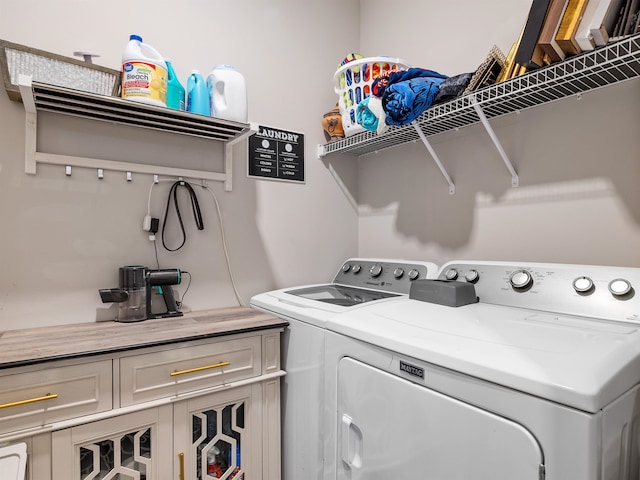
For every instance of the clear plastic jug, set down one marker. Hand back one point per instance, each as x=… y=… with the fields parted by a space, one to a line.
x=228 y=92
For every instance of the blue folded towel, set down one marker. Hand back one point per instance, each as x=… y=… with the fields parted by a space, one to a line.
x=381 y=83
x=406 y=100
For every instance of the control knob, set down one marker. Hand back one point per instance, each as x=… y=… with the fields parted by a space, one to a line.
x=346 y=267
x=521 y=280
x=356 y=268
x=472 y=276
x=619 y=287
x=375 y=270
x=398 y=272
x=582 y=284
x=413 y=274
x=451 y=274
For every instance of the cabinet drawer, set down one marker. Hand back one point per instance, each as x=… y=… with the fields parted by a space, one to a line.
x=156 y=375
x=51 y=394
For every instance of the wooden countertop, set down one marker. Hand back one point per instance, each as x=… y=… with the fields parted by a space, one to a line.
x=35 y=345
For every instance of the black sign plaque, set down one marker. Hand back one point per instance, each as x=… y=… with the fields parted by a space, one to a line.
x=276 y=154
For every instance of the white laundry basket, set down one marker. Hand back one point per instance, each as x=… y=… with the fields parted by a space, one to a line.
x=353 y=84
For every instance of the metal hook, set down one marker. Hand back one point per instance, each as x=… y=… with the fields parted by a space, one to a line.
x=87 y=56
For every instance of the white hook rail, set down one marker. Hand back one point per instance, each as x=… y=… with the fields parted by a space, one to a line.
x=60 y=100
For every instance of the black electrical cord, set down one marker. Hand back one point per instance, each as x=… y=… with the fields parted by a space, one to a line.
x=155 y=247
x=194 y=205
x=180 y=302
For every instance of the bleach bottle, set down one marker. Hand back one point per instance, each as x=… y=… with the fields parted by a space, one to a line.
x=175 y=90
x=144 y=73
x=228 y=92
x=197 y=94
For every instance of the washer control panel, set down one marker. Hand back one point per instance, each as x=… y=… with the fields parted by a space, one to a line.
x=387 y=275
x=586 y=290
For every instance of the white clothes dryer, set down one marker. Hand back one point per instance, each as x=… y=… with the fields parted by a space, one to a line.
x=537 y=378
x=359 y=282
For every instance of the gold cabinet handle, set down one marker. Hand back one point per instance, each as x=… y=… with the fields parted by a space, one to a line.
x=199 y=369
x=181 y=457
x=48 y=396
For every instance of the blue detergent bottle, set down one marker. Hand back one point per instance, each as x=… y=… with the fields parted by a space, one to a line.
x=198 y=94
x=175 y=91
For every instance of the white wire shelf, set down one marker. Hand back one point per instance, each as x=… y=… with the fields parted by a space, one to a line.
x=599 y=68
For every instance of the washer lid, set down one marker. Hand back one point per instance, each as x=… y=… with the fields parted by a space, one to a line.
x=583 y=363
x=315 y=304
x=341 y=295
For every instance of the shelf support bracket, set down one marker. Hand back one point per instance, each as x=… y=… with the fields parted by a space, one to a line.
x=228 y=155
x=515 y=180
x=31 y=124
x=321 y=151
x=432 y=152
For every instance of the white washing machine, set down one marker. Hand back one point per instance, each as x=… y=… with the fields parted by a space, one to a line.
x=537 y=379
x=359 y=282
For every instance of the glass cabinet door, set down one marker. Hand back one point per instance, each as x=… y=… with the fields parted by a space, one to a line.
x=217 y=441
x=135 y=446
x=123 y=456
x=214 y=433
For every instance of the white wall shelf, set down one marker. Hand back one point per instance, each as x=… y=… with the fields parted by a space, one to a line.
x=43 y=97
x=588 y=71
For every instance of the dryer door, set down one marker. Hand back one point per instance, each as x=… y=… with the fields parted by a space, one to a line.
x=389 y=427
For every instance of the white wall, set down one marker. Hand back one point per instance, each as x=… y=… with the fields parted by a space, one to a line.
x=64 y=238
x=578 y=200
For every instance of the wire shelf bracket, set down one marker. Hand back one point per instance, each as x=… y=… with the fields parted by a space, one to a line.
x=515 y=180
x=37 y=96
x=434 y=155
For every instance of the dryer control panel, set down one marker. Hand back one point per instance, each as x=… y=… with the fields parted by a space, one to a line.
x=387 y=275
x=587 y=290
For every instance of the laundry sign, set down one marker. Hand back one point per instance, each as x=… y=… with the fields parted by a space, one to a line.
x=276 y=154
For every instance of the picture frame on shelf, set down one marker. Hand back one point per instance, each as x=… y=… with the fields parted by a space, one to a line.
x=488 y=71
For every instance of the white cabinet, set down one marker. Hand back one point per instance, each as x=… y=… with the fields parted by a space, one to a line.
x=218 y=435
x=202 y=409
